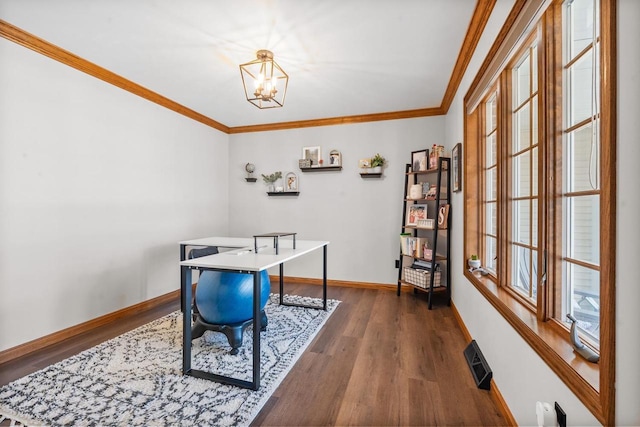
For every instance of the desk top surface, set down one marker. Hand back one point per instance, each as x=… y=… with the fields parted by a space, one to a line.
x=244 y=257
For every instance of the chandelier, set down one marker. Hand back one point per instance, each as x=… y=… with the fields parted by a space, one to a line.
x=265 y=82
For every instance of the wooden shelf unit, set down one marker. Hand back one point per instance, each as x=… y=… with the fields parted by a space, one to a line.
x=437 y=237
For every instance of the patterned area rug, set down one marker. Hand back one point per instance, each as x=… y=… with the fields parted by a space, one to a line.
x=136 y=380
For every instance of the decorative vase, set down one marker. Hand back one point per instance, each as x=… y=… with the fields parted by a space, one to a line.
x=415 y=191
x=376 y=169
x=271 y=188
x=474 y=263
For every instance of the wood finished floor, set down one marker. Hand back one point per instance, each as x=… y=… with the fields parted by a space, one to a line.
x=379 y=360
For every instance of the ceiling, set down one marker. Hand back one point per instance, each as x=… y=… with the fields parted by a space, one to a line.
x=343 y=57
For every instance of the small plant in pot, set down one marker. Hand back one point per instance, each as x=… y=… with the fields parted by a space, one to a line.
x=474 y=262
x=377 y=162
x=271 y=179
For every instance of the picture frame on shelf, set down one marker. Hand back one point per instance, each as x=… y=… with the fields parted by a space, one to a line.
x=456 y=172
x=291 y=182
x=425 y=189
x=312 y=153
x=420 y=160
x=415 y=213
x=335 y=158
x=364 y=163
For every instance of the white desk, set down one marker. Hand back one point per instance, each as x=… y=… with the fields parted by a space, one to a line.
x=242 y=258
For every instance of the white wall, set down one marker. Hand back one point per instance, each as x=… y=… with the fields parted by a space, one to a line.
x=522 y=377
x=97 y=186
x=358 y=216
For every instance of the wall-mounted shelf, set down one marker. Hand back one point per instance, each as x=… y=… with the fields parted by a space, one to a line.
x=322 y=169
x=251 y=179
x=371 y=175
x=283 y=193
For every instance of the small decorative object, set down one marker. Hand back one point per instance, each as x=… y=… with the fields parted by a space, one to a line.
x=291 y=182
x=377 y=162
x=425 y=223
x=431 y=194
x=320 y=162
x=415 y=191
x=416 y=213
x=474 y=262
x=436 y=152
x=304 y=163
x=271 y=179
x=419 y=160
x=443 y=216
x=250 y=168
x=312 y=154
x=456 y=172
x=335 y=158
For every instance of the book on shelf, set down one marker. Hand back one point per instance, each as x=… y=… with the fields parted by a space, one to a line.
x=412 y=246
x=423 y=265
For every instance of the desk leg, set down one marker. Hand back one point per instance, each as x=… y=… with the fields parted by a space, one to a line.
x=257 y=325
x=185 y=292
x=324 y=277
x=183 y=256
x=281 y=283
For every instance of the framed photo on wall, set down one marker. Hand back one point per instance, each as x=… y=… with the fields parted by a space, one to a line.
x=419 y=160
x=456 y=172
x=313 y=154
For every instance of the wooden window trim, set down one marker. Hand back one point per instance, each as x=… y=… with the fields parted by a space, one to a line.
x=593 y=384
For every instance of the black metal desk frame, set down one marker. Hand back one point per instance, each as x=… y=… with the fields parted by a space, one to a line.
x=186 y=296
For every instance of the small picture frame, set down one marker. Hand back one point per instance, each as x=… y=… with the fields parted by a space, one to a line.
x=335 y=158
x=416 y=213
x=425 y=189
x=364 y=163
x=420 y=160
x=291 y=182
x=313 y=154
x=456 y=172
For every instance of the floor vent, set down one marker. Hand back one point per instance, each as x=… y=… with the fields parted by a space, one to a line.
x=479 y=367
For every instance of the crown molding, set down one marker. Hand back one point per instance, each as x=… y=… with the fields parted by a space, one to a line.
x=479 y=19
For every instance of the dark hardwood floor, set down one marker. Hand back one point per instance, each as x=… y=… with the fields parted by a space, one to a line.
x=379 y=360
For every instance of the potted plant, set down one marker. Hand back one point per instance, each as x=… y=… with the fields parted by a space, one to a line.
x=377 y=162
x=474 y=262
x=271 y=179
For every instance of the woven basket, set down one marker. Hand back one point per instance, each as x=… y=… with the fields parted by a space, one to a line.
x=421 y=278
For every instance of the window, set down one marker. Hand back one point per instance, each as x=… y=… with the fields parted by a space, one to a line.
x=536 y=152
x=490 y=172
x=581 y=168
x=522 y=243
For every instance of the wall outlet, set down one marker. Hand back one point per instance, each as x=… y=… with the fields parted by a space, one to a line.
x=561 y=416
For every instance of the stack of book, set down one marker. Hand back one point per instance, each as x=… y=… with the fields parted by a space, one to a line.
x=423 y=265
x=412 y=246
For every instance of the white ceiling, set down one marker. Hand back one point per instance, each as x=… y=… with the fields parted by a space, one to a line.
x=343 y=57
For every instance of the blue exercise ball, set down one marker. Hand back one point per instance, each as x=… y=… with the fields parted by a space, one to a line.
x=224 y=298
